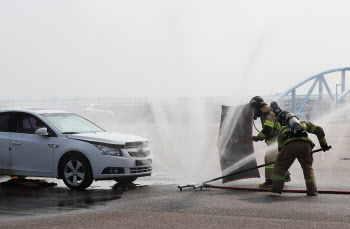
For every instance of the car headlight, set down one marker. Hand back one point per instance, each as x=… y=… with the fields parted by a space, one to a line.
x=110 y=151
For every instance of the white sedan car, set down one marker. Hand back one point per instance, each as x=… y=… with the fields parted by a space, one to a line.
x=51 y=143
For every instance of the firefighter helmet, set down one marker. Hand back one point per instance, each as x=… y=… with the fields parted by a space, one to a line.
x=276 y=109
x=281 y=117
x=257 y=102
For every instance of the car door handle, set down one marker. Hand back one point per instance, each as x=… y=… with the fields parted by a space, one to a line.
x=16 y=143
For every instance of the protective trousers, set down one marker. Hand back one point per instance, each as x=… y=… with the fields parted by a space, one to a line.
x=271 y=156
x=302 y=151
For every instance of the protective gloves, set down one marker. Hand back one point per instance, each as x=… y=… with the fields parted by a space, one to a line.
x=255 y=138
x=325 y=147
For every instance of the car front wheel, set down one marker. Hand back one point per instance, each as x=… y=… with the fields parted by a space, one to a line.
x=76 y=172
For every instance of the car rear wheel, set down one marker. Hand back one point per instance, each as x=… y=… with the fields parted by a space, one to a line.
x=76 y=172
x=125 y=180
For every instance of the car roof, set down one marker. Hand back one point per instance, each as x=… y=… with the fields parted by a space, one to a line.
x=37 y=111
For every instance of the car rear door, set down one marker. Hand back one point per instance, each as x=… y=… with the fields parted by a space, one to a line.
x=30 y=152
x=5 y=118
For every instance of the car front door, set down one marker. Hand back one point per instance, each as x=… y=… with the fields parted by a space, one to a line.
x=30 y=152
x=4 y=141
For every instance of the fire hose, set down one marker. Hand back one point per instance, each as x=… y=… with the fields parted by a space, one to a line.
x=206 y=185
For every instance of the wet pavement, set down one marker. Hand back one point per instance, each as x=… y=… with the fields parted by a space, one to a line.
x=164 y=206
x=23 y=200
x=155 y=202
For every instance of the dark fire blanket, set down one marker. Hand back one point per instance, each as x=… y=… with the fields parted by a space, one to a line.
x=236 y=123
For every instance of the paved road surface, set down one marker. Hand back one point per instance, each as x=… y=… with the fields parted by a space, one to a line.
x=147 y=205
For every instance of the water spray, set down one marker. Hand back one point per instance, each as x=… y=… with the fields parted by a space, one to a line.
x=206 y=185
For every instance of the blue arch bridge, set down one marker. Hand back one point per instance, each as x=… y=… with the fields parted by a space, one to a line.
x=325 y=92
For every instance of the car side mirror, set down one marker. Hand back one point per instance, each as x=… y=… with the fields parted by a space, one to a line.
x=42 y=131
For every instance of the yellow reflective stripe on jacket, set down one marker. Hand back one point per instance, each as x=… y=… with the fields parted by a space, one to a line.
x=277 y=126
x=322 y=140
x=262 y=135
x=304 y=126
x=280 y=145
x=276 y=177
x=310 y=180
x=285 y=133
x=268 y=123
x=270 y=166
x=313 y=128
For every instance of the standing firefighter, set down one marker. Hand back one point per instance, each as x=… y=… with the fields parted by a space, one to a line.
x=293 y=143
x=269 y=133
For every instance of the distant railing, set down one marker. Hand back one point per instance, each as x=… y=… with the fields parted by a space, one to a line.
x=322 y=83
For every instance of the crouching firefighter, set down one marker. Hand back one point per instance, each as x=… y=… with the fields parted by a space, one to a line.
x=293 y=143
x=269 y=133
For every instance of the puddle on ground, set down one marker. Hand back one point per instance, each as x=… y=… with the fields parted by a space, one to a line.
x=18 y=199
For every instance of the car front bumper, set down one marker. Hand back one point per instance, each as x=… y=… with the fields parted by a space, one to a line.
x=110 y=167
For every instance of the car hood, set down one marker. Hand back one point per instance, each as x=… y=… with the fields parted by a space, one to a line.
x=107 y=137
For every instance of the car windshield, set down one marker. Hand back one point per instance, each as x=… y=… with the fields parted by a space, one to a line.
x=68 y=123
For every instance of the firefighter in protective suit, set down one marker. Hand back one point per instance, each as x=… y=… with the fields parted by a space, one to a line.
x=293 y=143
x=269 y=133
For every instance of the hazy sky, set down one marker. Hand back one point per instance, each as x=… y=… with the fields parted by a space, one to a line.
x=139 y=48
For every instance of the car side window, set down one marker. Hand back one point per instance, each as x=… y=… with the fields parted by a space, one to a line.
x=4 y=122
x=28 y=124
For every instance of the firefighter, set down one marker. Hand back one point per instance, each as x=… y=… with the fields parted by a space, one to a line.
x=269 y=133
x=293 y=143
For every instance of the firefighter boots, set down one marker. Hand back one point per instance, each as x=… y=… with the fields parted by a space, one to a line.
x=287 y=178
x=267 y=184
